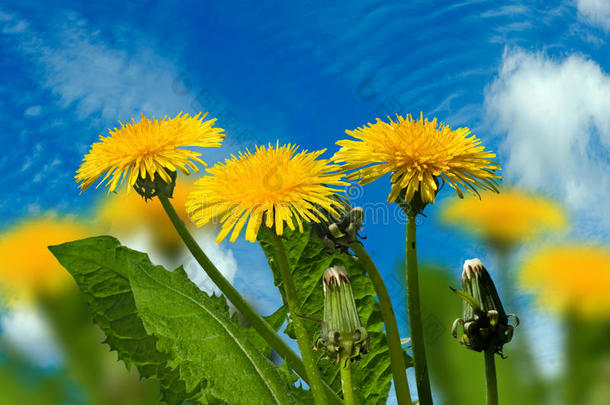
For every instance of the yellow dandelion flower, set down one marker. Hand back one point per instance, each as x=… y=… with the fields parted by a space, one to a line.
x=506 y=218
x=570 y=279
x=128 y=213
x=28 y=267
x=149 y=147
x=417 y=153
x=279 y=183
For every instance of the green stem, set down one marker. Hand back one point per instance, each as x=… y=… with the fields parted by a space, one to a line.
x=415 y=319
x=490 y=377
x=573 y=384
x=303 y=339
x=257 y=322
x=397 y=359
x=346 y=383
x=532 y=382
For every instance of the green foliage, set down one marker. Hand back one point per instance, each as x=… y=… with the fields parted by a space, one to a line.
x=308 y=259
x=23 y=383
x=587 y=355
x=163 y=324
x=203 y=340
x=276 y=320
x=87 y=363
x=100 y=266
x=89 y=373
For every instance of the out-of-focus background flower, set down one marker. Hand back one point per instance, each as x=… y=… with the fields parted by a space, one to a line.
x=529 y=78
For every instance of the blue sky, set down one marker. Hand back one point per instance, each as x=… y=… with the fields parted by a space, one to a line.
x=530 y=78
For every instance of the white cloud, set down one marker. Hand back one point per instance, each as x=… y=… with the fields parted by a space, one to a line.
x=555 y=117
x=28 y=332
x=595 y=12
x=96 y=78
x=75 y=62
x=510 y=10
x=12 y=24
x=16 y=27
x=96 y=75
x=32 y=111
x=254 y=281
x=222 y=258
x=142 y=241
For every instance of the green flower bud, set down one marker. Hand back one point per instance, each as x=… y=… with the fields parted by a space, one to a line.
x=484 y=321
x=340 y=230
x=149 y=188
x=416 y=205
x=342 y=336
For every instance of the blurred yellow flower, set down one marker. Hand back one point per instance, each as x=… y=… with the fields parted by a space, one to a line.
x=506 y=218
x=128 y=213
x=570 y=279
x=27 y=267
x=417 y=153
x=278 y=183
x=146 y=148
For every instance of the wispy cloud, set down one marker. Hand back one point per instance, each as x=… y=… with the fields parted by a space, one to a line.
x=554 y=114
x=220 y=255
x=77 y=65
x=75 y=79
x=595 y=12
x=95 y=81
x=509 y=10
x=32 y=111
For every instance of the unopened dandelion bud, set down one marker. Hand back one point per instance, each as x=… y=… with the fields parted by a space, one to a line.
x=342 y=226
x=342 y=336
x=334 y=230
x=356 y=216
x=484 y=321
x=149 y=188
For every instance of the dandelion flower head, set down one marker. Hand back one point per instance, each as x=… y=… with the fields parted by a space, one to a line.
x=417 y=153
x=148 y=148
x=276 y=185
x=506 y=218
x=28 y=267
x=570 y=279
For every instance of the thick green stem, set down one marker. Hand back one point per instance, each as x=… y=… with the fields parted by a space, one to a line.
x=303 y=338
x=346 y=383
x=397 y=359
x=257 y=322
x=490 y=377
x=415 y=319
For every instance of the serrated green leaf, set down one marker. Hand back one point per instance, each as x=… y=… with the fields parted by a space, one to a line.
x=203 y=340
x=275 y=320
x=308 y=260
x=100 y=266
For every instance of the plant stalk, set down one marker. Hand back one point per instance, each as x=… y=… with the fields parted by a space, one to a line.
x=532 y=381
x=257 y=322
x=490 y=377
x=303 y=339
x=397 y=359
x=346 y=383
x=415 y=318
